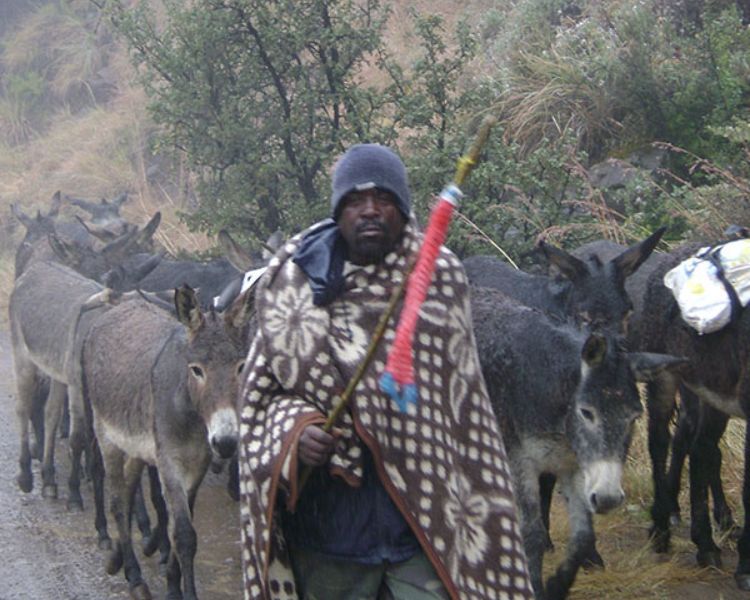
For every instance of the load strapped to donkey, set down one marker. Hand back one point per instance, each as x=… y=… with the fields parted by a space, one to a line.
x=712 y=286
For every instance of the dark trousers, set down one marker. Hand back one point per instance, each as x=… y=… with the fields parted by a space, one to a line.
x=320 y=577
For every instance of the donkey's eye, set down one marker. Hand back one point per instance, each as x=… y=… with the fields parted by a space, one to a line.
x=588 y=414
x=240 y=366
x=196 y=371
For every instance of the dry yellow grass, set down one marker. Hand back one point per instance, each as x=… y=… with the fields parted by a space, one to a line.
x=633 y=571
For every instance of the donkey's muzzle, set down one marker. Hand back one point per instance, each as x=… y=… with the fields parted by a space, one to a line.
x=224 y=446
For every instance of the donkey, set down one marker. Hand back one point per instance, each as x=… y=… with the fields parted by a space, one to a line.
x=217 y=281
x=666 y=481
x=589 y=292
x=104 y=216
x=45 y=308
x=168 y=401
x=716 y=385
x=566 y=402
x=47 y=318
x=109 y=227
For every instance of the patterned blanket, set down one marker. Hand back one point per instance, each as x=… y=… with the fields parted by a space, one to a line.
x=443 y=462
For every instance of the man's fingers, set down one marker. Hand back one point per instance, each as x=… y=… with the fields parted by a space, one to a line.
x=315 y=445
x=317 y=434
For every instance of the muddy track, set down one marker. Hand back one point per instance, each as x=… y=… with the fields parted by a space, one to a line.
x=49 y=553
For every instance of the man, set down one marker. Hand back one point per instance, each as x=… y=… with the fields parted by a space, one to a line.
x=409 y=506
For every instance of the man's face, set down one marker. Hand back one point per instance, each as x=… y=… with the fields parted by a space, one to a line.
x=371 y=224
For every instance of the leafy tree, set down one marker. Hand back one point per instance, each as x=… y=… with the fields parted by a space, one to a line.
x=259 y=95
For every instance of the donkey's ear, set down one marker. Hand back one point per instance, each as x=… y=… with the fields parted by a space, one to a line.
x=237 y=256
x=68 y=253
x=646 y=366
x=120 y=200
x=628 y=262
x=22 y=217
x=145 y=235
x=571 y=267
x=100 y=233
x=594 y=350
x=55 y=203
x=241 y=310
x=188 y=310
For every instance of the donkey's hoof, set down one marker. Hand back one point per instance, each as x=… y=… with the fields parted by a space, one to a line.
x=727 y=525
x=50 y=491
x=140 y=592
x=234 y=492
x=105 y=543
x=75 y=504
x=710 y=558
x=660 y=540
x=25 y=482
x=743 y=581
x=114 y=563
x=592 y=561
x=36 y=451
x=150 y=543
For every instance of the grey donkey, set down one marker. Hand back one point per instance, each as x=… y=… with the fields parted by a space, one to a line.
x=45 y=312
x=163 y=392
x=47 y=319
x=566 y=402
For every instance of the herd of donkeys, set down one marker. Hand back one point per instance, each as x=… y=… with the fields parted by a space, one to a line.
x=144 y=353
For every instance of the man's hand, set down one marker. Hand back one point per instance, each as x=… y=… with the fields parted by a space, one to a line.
x=315 y=445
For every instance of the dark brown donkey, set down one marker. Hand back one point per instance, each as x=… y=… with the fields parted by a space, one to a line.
x=163 y=392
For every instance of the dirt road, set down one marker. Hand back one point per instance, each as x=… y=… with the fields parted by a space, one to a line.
x=48 y=553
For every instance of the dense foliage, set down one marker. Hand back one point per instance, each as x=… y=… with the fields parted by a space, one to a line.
x=258 y=98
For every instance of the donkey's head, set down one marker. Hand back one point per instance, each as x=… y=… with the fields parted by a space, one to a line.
x=104 y=212
x=216 y=350
x=593 y=291
x=37 y=229
x=604 y=410
x=95 y=262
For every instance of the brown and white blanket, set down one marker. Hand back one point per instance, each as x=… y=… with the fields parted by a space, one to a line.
x=443 y=462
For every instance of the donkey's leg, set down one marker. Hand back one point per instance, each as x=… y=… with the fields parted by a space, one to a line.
x=26 y=375
x=180 y=489
x=711 y=426
x=52 y=413
x=159 y=536
x=683 y=437
x=742 y=574
x=121 y=477
x=65 y=421
x=535 y=534
x=97 y=480
x=722 y=512
x=79 y=441
x=547 y=483
x=39 y=399
x=687 y=425
x=233 y=480
x=661 y=402
x=582 y=543
x=141 y=514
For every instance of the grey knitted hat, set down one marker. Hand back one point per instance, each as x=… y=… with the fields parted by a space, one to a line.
x=365 y=166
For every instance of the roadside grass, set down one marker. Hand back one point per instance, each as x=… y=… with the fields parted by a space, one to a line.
x=633 y=570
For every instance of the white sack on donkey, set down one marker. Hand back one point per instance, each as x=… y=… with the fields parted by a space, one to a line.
x=708 y=284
